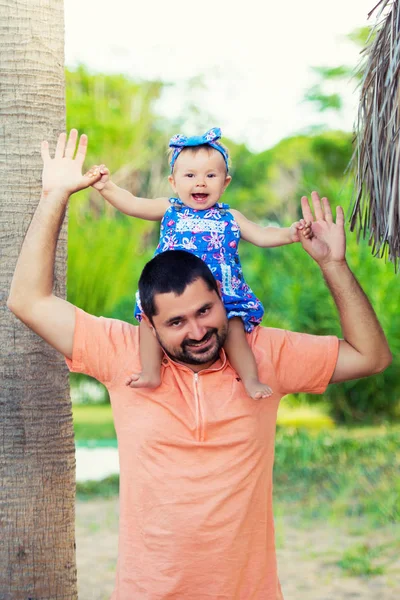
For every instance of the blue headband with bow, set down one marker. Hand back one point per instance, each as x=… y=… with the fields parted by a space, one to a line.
x=178 y=142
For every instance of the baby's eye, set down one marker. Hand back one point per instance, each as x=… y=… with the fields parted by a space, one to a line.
x=189 y=175
x=211 y=175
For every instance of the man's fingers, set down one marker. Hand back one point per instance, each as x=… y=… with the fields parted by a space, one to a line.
x=339 y=216
x=327 y=210
x=71 y=144
x=44 y=150
x=60 y=147
x=319 y=215
x=305 y=207
x=82 y=148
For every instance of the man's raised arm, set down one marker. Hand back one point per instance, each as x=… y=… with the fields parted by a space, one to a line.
x=364 y=349
x=31 y=296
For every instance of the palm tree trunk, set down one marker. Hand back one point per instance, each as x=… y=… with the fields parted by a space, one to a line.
x=37 y=461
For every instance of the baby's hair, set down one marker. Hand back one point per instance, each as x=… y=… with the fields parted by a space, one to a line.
x=195 y=149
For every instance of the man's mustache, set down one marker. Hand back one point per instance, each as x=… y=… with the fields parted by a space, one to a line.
x=207 y=337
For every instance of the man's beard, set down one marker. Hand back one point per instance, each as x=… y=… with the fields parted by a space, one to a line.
x=210 y=352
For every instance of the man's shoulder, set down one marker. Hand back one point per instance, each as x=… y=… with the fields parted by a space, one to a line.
x=268 y=335
x=272 y=340
x=103 y=346
x=301 y=362
x=106 y=326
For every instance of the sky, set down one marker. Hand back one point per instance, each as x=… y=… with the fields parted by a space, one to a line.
x=253 y=57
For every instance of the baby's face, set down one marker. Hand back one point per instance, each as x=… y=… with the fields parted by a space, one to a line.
x=200 y=178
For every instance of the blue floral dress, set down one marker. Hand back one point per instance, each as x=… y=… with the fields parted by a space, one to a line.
x=213 y=235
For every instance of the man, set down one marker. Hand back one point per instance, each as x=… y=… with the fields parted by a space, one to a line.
x=196 y=454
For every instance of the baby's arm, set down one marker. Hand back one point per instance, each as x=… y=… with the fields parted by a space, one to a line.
x=142 y=208
x=269 y=237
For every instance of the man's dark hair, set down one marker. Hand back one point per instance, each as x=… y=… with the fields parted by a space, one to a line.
x=171 y=271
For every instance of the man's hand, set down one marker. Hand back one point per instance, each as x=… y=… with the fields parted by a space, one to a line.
x=364 y=349
x=327 y=244
x=63 y=173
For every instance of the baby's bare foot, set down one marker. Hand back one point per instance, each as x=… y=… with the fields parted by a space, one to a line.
x=256 y=389
x=146 y=380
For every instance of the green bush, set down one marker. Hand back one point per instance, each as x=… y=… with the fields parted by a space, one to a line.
x=340 y=473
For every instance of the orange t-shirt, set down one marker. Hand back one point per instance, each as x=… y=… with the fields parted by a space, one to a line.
x=196 y=458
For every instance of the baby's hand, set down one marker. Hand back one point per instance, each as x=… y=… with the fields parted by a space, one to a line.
x=300 y=228
x=102 y=175
x=294 y=231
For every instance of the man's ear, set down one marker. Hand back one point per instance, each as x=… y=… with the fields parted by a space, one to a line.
x=219 y=284
x=149 y=324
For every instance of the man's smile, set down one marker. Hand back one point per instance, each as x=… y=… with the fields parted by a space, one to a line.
x=201 y=345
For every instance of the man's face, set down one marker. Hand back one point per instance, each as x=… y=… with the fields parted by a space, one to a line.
x=191 y=328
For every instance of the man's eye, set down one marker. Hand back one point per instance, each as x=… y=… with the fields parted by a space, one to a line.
x=175 y=323
x=204 y=311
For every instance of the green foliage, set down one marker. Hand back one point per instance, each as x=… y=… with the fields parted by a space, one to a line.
x=340 y=473
x=331 y=72
x=117 y=114
x=327 y=78
x=303 y=416
x=323 y=101
x=106 y=488
x=105 y=259
x=360 y=36
x=93 y=422
x=106 y=251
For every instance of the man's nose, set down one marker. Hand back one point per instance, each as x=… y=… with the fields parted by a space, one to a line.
x=196 y=331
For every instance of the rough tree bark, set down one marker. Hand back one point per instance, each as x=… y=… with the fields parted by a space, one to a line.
x=37 y=459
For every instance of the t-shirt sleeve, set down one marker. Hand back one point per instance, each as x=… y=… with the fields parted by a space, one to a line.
x=98 y=346
x=301 y=362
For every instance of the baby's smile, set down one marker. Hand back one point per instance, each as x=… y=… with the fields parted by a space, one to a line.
x=200 y=198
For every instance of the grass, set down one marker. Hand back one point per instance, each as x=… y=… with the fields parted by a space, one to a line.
x=361 y=560
x=313 y=418
x=368 y=559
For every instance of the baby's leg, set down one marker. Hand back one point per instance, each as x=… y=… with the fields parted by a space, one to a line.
x=150 y=358
x=242 y=360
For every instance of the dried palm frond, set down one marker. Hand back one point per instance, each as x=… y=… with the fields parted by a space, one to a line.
x=377 y=152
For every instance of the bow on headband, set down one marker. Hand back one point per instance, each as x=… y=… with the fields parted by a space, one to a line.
x=210 y=138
